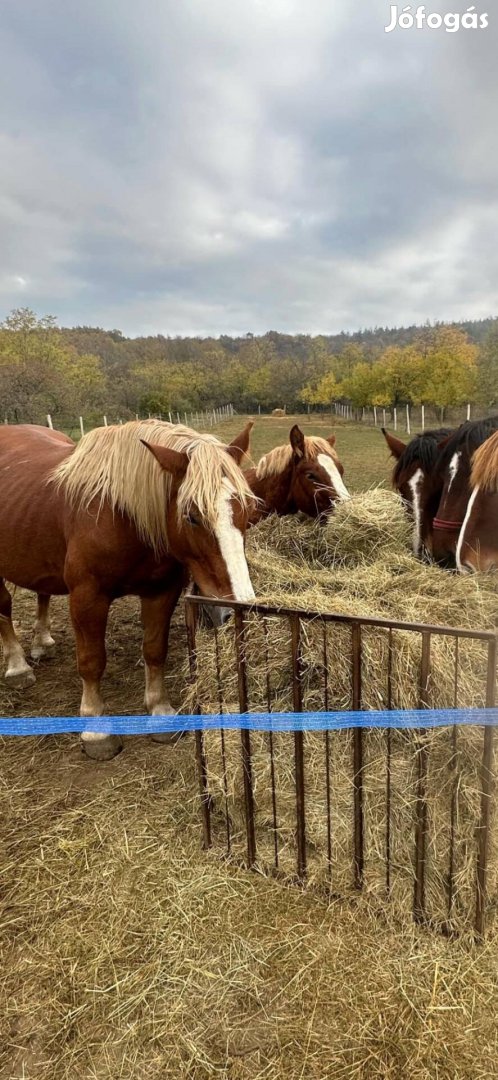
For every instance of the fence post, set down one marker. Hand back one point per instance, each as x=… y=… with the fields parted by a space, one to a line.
x=356 y=645
x=423 y=417
x=421 y=815
x=468 y=411
x=375 y=416
x=395 y=411
x=82 y=426
x=49 y=421
x=105 y=421
x=486 y=797
x=383 y=418
x=408 y=428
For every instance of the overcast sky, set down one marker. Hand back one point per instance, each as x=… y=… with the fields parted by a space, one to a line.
x=225 y=166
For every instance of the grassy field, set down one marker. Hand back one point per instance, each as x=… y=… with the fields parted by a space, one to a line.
x=361 y=448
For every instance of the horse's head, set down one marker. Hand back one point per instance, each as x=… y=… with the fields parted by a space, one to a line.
x=207 y=513
x=317 y=475
x=477 y=547
x=415 y=480
x=454 y=465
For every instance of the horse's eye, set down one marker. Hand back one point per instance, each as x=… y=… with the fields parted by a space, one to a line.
x=193 y=519
x=311 y=476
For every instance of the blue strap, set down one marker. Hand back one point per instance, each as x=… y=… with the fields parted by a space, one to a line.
x=264 y=721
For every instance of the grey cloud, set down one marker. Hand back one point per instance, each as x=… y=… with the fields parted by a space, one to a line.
x=235 y=166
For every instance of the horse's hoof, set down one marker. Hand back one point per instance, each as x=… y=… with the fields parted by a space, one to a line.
x=167 y=737
x=102 y=749
x=20 y=680
x=39 y=651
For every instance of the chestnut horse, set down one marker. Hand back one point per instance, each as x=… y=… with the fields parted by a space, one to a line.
x=477 y=547
x=43 y=642
x=303 y=475
x=129 y=510
x=413 y=478
x=452 y=481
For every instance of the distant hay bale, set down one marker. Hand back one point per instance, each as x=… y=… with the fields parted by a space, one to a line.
x=278 y=412
x=359 y=564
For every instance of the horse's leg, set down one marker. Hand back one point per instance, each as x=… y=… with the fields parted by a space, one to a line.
x=89 y=610
x=156 y=619
x=18 y=672
x=43 y=642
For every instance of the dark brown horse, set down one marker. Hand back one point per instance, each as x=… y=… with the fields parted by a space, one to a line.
x=477 y=547
x=131 y=510
x=413 y=477
x=452 y=481
x=303 y=475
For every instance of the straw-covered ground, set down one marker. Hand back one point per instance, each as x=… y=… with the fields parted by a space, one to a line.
x=127 y=952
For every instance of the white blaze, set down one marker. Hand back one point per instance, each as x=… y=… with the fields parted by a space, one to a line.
x=414 y=485
x=461 y=538
x=232 y=548
x=336 y=480
x=453 y=467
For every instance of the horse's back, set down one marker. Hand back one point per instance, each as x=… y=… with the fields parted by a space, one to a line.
x=17 y=436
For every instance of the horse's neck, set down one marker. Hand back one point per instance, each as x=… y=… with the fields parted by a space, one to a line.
x=274 y=493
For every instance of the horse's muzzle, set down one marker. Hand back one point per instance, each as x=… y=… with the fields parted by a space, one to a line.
x=210 y=615
x=216 y=616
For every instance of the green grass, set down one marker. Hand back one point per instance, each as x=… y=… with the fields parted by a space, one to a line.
x=362 y=450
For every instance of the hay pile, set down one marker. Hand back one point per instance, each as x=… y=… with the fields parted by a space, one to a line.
x=360 y=563
x=128 y=953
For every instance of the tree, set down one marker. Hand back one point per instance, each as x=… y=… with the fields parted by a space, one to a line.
x=487 y=368
x=450 y=367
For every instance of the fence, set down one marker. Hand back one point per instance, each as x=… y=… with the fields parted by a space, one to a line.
x=397 y=801
x=407 y=416
x=206 y=419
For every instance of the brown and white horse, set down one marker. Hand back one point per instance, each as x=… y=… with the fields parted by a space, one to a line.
x=304 y=475
x=477 y=547
x=130 y=510
x=413 y=478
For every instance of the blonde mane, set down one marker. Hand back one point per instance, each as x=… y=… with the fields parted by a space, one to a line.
x=112 y=465
x=484 y=473
x=277 y=460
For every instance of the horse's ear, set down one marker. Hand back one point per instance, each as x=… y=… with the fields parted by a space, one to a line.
x=239 y=446
x=172 y=461
x=395 y=445
x=297 y=441
x=443 y=442
x=331 y=440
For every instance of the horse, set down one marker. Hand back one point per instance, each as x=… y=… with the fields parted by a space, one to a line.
x=452 y=480
x=413 y=478
x=304 y=475
x=477 y=547
x=132 y=509
x=43 y=643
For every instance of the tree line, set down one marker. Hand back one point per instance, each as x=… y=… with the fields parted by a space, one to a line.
x=89 y=371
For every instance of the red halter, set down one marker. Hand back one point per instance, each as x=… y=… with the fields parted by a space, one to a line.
x=440 y=523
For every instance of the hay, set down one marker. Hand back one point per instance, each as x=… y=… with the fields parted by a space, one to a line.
x=126 y=952
x=358 y=564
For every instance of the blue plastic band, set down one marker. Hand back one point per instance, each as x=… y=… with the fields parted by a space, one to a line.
x=275 y=722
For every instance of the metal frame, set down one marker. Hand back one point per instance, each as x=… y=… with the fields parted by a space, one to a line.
x=295 y=618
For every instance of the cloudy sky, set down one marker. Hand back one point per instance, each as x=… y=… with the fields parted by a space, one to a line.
x=224 y=166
